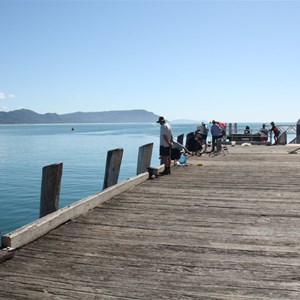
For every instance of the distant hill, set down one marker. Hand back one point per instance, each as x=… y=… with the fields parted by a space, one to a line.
x=25 y=116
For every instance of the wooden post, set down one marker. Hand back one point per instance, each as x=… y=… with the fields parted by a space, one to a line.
x=230 y=131
x=112 y=168
x=180 y=139
x=282 y=139
x=144 y=158
x=188 y=136
x=51 y=182
x=298 y=132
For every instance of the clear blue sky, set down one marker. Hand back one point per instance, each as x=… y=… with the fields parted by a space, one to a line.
x=227 y=60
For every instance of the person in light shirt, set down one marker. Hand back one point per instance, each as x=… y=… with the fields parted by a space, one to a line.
x=263 y=133
x=166 y=143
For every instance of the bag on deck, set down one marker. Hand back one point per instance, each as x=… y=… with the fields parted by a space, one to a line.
x=175 y=153
x=182 y=159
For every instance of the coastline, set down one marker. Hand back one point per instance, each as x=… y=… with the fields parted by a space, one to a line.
x=83 y=153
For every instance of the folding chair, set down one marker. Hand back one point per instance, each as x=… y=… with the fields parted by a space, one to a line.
x=224 y=147
x=220 y=147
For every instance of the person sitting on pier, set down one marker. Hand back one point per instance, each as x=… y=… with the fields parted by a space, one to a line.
x=263 y=133
x=247 y=130
x=276 y=132
x=194 y=144
x=177 y=150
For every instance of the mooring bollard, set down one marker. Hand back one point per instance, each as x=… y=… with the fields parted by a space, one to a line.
x=112 y=168
x=51 y=183
x=153 y=172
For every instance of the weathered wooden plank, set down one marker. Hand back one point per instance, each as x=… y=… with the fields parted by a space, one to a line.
x=5 y=254
x=50 y=189
x=144 y=158
x=38 y=228
x=112 y=167
x=227 y=229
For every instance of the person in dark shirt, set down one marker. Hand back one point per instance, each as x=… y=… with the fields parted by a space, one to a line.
x=194 y=144
x=276 y=132
x=247 y=130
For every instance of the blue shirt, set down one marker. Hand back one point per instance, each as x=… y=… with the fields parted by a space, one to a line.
x=216 y=130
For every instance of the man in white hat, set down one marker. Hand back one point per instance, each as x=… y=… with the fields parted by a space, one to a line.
x=166 y=143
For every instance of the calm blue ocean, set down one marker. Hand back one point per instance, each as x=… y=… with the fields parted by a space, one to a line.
x=26 y=149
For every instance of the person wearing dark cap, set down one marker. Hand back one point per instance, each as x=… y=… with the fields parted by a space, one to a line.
x=247 y=130
x=166 y=143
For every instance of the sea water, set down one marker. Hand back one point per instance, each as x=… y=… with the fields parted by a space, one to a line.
x=82 y=148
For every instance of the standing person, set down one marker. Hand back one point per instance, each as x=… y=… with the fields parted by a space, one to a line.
x=222 y=126
x=216 y=133
x=204 y=131
x=263 y=133
x=166 y=143
x=276 y=132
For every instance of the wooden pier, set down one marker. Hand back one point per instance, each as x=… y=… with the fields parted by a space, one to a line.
x=223 y=227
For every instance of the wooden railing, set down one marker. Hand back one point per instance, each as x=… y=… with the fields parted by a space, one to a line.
x=51 y=216
x=52 y=174
x=285 y=129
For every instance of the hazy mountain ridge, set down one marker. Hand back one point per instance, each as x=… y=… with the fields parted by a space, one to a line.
x=26 y=116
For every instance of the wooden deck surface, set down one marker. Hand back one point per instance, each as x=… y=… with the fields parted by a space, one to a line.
x=226 y=229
